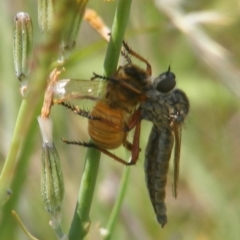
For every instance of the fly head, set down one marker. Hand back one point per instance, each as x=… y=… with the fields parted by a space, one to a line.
x=165 y=82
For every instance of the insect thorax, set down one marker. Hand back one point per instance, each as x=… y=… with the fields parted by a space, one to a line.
x=120 y=96
x=161 y=108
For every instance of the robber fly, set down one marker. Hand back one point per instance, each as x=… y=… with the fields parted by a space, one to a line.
x=166 y=107
x=116 y=112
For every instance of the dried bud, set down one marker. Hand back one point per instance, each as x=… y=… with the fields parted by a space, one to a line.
x=97 y=23
x=45 y=15
x=52 y=185
x=22 y=46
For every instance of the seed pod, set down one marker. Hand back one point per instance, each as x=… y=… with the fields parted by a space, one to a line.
x=52 y=185
x=45 y=15
x=22 y=46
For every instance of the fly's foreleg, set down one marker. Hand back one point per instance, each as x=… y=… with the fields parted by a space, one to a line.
x=134 y=147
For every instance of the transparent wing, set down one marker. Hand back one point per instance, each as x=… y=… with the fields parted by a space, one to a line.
x=74 y=89
x=177 y=146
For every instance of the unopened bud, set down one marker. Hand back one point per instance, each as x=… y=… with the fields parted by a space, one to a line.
x=22 y=46
x=52 y=185
x=45 y=15
x=72 y=25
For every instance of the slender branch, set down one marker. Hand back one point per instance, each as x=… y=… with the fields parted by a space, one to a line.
x=30 y=236
x=81 y=221
x=117 y=34
x=117 y=205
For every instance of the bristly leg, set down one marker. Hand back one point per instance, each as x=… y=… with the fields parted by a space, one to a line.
x=134 y=147
x=126 y=56
x=92 y=145
x=118 y=81
x=77 y=110
x=88 y=115
x=136 y=55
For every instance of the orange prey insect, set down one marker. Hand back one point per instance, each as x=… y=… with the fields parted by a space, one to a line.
x=116 y=113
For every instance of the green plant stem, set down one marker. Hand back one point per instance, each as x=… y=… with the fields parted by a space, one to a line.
x=21 y=128
x=117 y=205
x=81 y=221
x=16 y=186
x=117 y=33
x=24 y=120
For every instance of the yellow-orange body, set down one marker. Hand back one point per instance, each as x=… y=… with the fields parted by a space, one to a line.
x=102 y=134
x=117 y=106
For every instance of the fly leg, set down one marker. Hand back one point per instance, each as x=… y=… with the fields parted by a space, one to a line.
x=136 y=55
x=87 y=114
x=119 y=81
x=92 y=145
x=124 y=83
x=134 y=147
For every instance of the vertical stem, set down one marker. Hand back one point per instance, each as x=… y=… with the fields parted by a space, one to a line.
x=81 y=221
x=118 y=28
x=117 y=205
x=23 y=124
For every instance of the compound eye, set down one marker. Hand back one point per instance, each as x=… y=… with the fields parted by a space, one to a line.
x=165 y=82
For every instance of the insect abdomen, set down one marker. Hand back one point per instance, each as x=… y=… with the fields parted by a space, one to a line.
x=157 y=156
x=104 y=135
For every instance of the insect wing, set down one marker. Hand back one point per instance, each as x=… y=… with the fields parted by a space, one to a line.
x=177 y=128
x=74 y=89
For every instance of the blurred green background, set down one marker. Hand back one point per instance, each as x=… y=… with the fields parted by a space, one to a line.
x=200 y=39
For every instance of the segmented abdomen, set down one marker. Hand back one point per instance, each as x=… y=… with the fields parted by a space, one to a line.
x=157 y=156
x=103 y=134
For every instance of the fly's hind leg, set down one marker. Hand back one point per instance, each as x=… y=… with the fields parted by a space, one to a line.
x=87 y=114
x=133 y=147
x=92 y=145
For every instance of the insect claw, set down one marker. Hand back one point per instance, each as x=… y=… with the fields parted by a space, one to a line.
x=125 y=45
x=94 y=76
